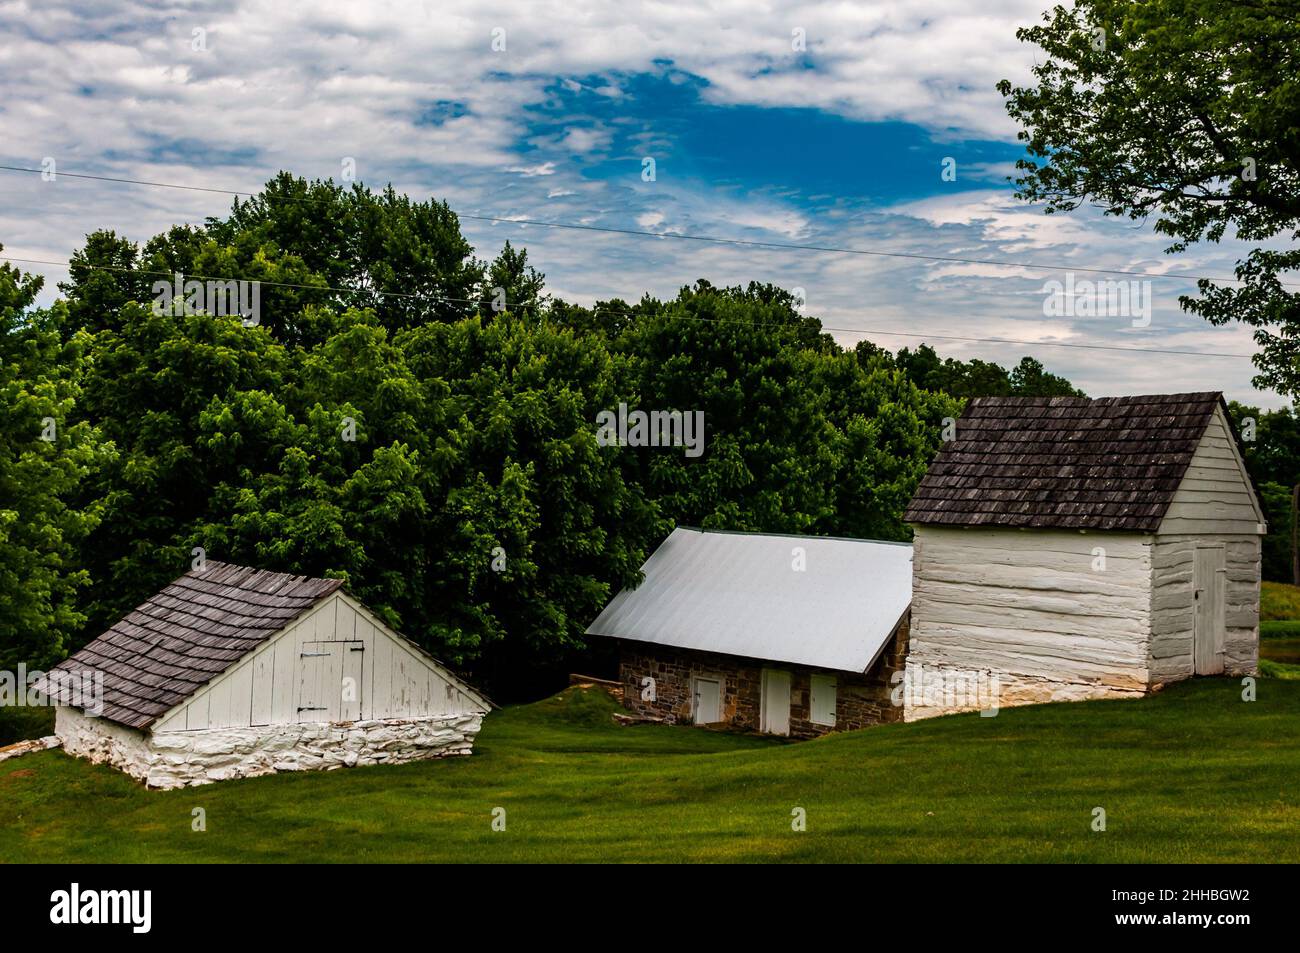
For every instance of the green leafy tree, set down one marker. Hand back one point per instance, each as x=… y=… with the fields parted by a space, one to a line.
x=1276 y=551
x=44 y=458
x=800 y=437
x=516 y=404
x=1030 y=379
x=511 y=284
x=737 y=356
x=147 y=386
x=405 y=261
x=1271 y=450
x=103 y=276
x=1187 y=111
x=976 y=378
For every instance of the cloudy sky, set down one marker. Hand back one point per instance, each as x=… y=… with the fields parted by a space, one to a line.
x=823 y=124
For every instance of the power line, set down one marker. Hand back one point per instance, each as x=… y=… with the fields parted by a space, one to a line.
x=277 y=284
x=109 y=178
x=708 y=239
x=447 y=299
x=790 y=246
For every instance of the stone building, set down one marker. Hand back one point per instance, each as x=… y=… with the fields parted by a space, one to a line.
x=791 y=635
x=236 y=672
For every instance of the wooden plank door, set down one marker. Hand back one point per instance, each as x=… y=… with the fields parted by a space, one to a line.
x=1209 y=584
x=775 y=716
x=708 y=701
x=331 y=685
x=313 y=681
x=352 y=687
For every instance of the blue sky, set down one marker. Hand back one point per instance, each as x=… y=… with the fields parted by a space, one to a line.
x=806 y=155
x=838 y=141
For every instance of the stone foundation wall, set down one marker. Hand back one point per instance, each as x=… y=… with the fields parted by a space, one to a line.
x=933 y=690
x=861 y=700
x=183 y=758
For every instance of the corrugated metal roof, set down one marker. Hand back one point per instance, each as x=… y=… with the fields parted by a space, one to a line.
x=738 y=594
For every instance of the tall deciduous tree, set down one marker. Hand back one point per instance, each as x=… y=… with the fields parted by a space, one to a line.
x=44 y=458
x=511 y=284
x=1187 y=111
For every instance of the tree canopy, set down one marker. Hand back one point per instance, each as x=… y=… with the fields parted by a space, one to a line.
x=383 y=422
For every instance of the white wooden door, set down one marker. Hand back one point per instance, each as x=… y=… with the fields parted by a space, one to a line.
x=354 y=660
x=775 y=716
x=708 y=701
x=313 y=681
x=1209 y=585
x=323 y=693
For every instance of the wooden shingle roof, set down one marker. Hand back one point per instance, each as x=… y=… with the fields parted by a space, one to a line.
x=177 y=641
x=1113 y=463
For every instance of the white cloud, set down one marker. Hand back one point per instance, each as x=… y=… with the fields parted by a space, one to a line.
x=415 y=93
x=529 y=171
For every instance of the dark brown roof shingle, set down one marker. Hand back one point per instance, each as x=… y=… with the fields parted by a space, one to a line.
x=1112 y=463
x=180 y=639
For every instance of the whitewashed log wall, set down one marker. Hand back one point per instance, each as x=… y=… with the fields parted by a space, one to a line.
x=267 y=687
x=1173 y=606
x=1032 y=608
x=1214 y=505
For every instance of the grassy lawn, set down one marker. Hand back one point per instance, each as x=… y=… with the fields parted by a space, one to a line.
x=1191 y=774
x=1279 y=630
x=1278 y=601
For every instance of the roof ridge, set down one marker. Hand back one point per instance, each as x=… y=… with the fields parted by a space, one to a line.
x=1082 y=400
x=766 y=535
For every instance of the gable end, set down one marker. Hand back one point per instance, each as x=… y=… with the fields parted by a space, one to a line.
x=1215 y=495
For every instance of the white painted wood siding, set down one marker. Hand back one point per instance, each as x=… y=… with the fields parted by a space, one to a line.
x=1215 y=496
x=397 y=680
x=1030 y=606
x=1173 y=609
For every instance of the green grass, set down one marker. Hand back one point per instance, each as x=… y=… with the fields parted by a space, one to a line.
x=1289 y=671
x=1280 y=629
x=1190 y=774
x=1278 y=601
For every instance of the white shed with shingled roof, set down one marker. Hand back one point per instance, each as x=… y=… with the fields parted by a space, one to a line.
x=235 y=672
x=1070 y=548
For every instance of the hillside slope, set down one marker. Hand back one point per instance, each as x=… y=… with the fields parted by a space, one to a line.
x=1191 y=774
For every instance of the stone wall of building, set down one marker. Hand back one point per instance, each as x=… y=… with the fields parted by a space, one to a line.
x=861 y=700
x=182 y=758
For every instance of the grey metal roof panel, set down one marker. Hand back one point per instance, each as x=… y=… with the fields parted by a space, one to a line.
x=739 y=594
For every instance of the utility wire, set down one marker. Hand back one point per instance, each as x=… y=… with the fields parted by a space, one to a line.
x=446 y=299
x=709 y=239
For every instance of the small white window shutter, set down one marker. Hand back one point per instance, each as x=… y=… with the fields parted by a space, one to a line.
x=822 y=702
